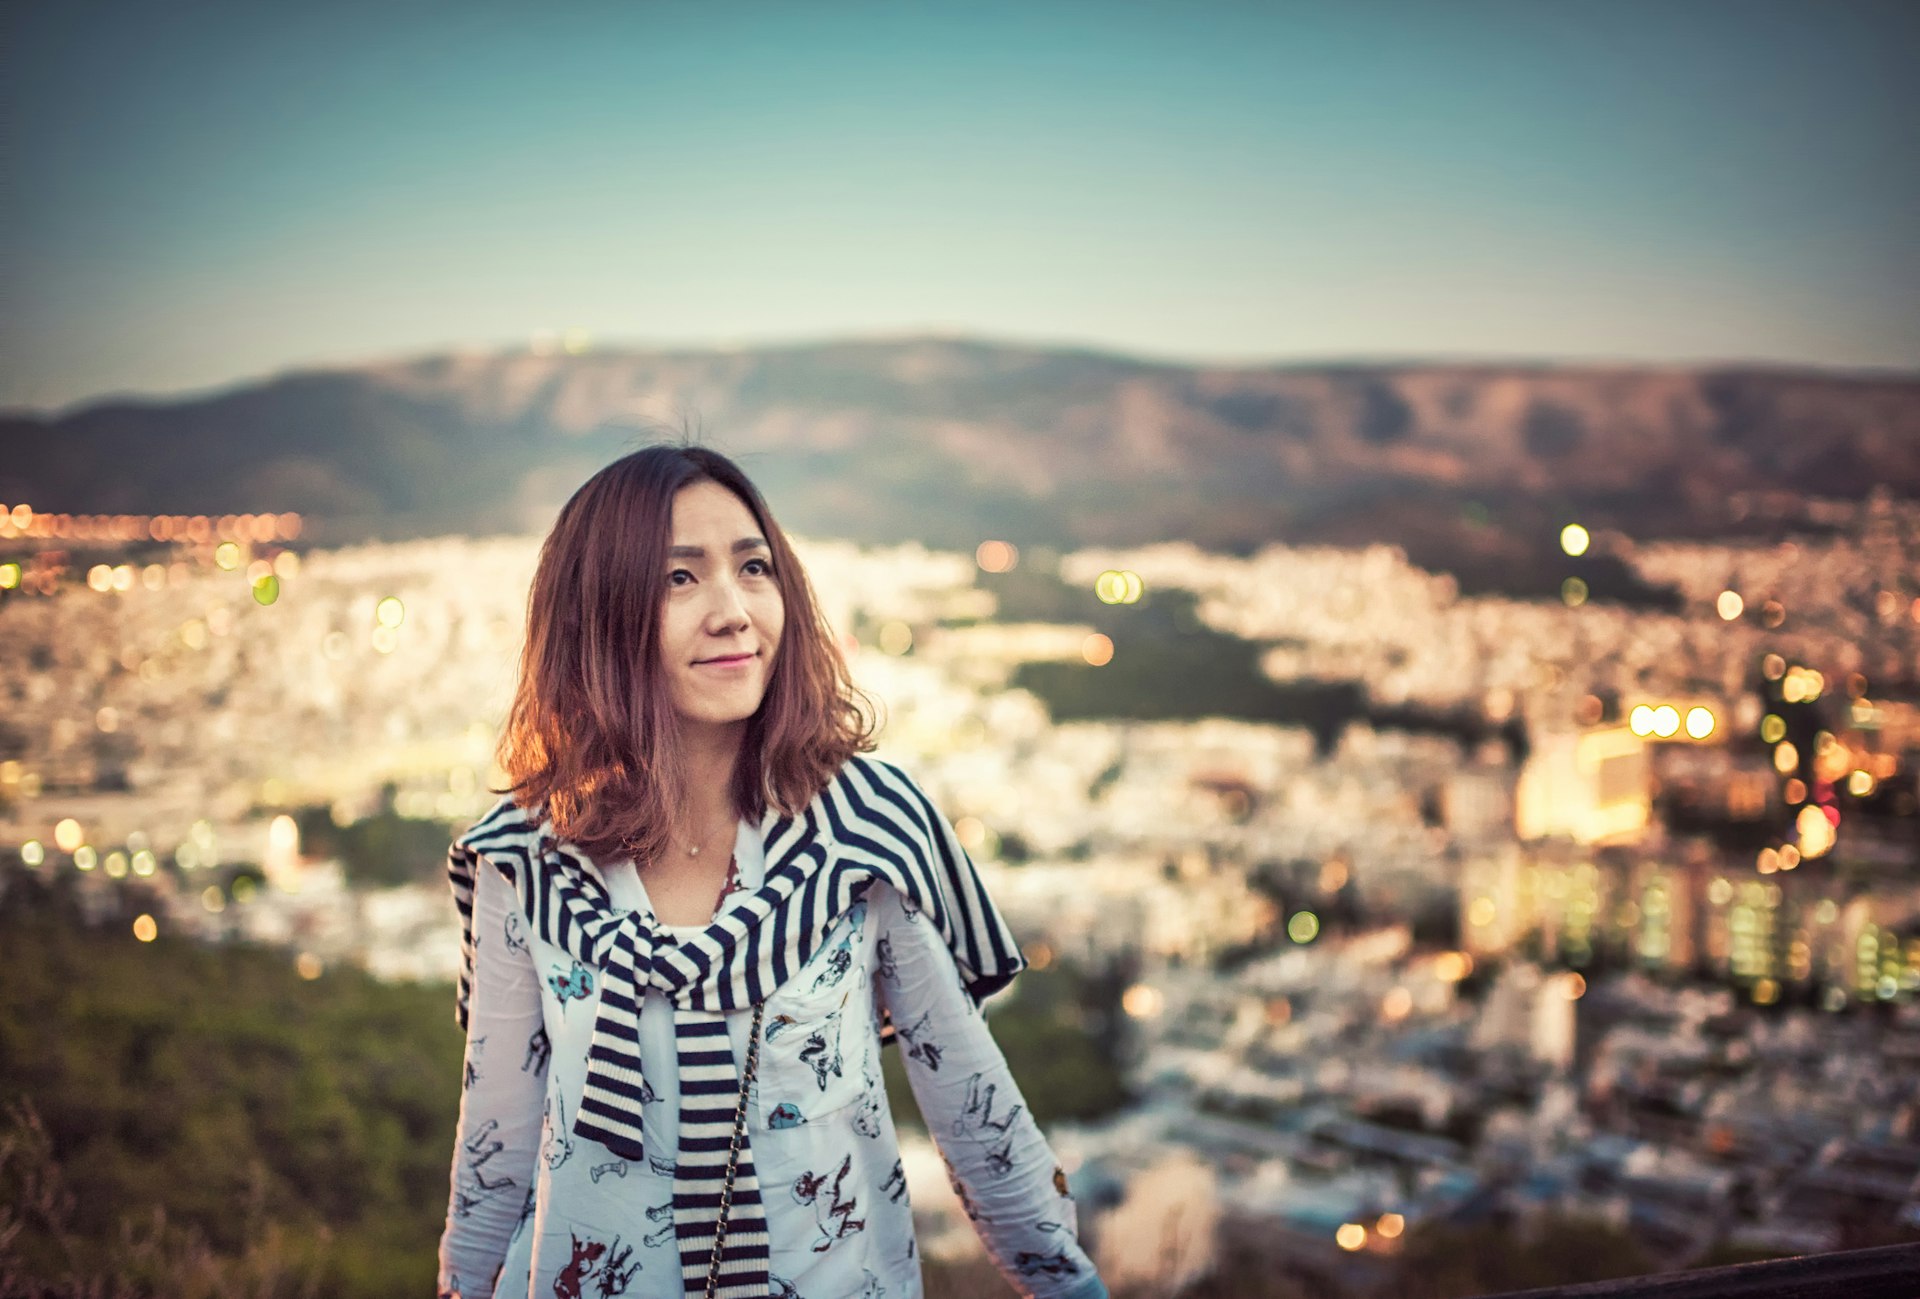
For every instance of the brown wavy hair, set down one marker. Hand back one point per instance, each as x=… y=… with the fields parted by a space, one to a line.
x=592 y=734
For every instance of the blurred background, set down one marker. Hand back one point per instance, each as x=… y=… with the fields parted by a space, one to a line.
x=1393 y=531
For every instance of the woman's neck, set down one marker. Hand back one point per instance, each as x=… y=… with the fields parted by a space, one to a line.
x=708 y=756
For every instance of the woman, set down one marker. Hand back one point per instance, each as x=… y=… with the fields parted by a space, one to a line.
x=689 y=927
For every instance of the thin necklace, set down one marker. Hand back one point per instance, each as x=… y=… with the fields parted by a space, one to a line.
x=693 y=850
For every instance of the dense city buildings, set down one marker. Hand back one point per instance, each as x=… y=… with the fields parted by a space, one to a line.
x=1537 y=910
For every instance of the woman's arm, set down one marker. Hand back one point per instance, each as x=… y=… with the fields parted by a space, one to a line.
x=1002 y=1167
x=504 y=1082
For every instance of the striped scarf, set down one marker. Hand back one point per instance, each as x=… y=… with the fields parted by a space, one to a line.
x=871 y=822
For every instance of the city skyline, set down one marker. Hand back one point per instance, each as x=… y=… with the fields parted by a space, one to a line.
x=201 y=198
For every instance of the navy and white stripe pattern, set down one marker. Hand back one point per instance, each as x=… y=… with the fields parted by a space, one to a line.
x=870 y=822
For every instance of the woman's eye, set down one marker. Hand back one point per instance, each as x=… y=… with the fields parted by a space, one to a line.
x=758 y=567
x=674 y=578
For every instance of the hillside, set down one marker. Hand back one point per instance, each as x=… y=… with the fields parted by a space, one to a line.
x=949 y=441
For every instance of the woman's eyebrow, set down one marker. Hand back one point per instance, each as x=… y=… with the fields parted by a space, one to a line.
x=700 y=552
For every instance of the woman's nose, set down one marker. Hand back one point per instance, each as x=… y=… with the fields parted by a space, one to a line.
x=728 y=609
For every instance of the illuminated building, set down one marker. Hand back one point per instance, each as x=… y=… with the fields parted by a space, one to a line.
x=1591 y=786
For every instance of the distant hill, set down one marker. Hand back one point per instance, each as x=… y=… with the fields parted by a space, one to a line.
x=951 y=441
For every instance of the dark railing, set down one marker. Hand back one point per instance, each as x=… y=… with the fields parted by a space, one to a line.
x=1889 y=1272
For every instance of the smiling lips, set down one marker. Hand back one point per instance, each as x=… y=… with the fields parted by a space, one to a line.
x=725 y=661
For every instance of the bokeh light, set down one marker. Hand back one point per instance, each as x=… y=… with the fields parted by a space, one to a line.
x=1700 y=723
x=996 y=556
x=1303 y=927
x=145 y=929
x=1730 y=606
x=1097 y=650
x=1574 y=539
x=1351 y=1236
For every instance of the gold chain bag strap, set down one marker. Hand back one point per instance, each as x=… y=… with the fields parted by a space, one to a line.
x=733 y=1151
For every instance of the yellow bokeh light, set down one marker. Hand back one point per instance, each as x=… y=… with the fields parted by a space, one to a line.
x=1860 y=783
x=33 y=852
x=1666 y=721
x=309 y=966
x=1482 y=911
x=1142 y=1001
x=145 y=929
x=1730 y=605
x=1699 y=723
x=100 y=577
x=1097 y=650
x=1773 y=728
x=1640 y=720
x=9 y=576
x=1351 y=1236
x=1575 y=539
x=266 y=588
x=1765 y=992
x=1304 y=927
x=896 y=638
x=1451 y=967
x=286 y=564
x=227 y=555
x=1816 y=831
x=1574 y=592
x=67 y=834
x=1110 y=587
x=1390 y=1225
x=385 y=640
x=1789 y=857
x=389 y=612
x=1785 y=757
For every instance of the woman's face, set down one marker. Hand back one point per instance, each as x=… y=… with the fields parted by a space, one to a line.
x=724 y=614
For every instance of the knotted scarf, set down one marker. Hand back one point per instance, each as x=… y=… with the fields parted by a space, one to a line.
x=871 y=822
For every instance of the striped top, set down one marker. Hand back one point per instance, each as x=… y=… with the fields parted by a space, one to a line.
x=861 y=908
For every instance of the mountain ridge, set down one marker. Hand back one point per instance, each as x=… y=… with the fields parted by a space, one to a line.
x=947 y=440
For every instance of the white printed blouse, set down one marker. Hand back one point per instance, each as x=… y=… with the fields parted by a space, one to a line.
x=538 y=1209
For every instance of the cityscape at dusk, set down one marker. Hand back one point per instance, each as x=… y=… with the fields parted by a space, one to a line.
x=1391 y=534
x=1550 y=924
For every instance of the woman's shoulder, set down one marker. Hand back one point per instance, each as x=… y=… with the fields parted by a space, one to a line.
x=881 y=785
x=505 y=817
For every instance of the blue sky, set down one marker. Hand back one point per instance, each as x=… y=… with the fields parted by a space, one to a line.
x=199 y=194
